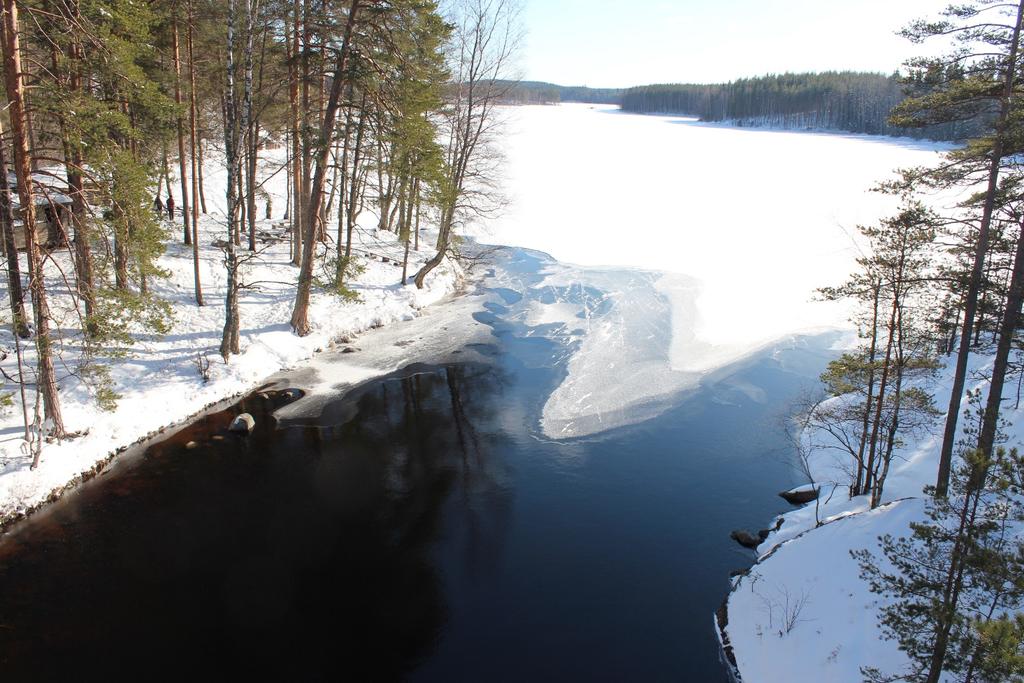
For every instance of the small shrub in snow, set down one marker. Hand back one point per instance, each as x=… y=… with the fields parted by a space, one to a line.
x=98 y=378
x=351 y=267
x=202 y=363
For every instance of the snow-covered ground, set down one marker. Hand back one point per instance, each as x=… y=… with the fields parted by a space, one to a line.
x=753 y=221
x=160 y=383
x=836 y=630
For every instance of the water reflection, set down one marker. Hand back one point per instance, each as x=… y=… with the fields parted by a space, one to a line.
x=303 y=552
x=420 y=527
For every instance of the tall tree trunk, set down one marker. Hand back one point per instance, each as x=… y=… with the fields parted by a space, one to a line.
x=46 y=380
x=293 y=98
x=252 y=158
x=199 y=148
x=305 y=127
x=1007 y=328
x=866 y=420
x=953 y=585
x=33 y=142
x=194 y=145
x=894 y=417
x=300 y=313
x=325 y=210
x=121 y=236
x=339 y=265
x=407 y=227
x=14 y=289
x=230 y=338
x=236 y=229
x=251 y=131
x=73 y=164
x=416 y=230
x=386 y=192
x=165 y=173
x=880 y=401
x=443 y=238
x=353 y=204
x=187 y=229
x=981 y=249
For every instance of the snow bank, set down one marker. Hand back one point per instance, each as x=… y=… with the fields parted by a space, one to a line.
x=804 y=614
x=838 y=627
x=160 y=384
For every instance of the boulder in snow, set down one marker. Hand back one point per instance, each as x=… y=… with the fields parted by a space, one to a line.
x=745 y=538
x=801 y=494
x=243 y=424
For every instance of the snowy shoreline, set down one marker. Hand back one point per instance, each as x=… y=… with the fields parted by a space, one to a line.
x=24 y=491
x=160 y=381
x=802 y=611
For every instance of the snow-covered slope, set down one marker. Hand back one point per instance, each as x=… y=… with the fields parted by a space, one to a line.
x=836 y=628
x=160 y=383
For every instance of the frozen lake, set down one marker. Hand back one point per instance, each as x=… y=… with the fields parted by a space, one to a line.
x=737 y=226
x=759 y=218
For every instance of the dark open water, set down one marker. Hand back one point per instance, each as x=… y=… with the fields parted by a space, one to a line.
x=419 y=528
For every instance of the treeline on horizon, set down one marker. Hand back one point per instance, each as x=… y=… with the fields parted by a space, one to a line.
x=539 y=92
x=850 y=101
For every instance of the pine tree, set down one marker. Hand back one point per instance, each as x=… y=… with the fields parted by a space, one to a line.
x=46 y=380
x=486 y=40
x=979 y=80
x=956 y=574
x=876 y=409
x=314 y=200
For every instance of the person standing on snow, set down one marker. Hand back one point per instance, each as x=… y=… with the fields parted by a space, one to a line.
x=170 y=206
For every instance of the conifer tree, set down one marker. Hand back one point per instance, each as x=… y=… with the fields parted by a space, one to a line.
x=486 y=37
x=230 y=338
x=314 y=199
x=46 y=381
x=14 y=287
x=978 y=80
x=955 y=583
x=875 y=408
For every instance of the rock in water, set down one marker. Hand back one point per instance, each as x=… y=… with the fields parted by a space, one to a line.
x=745 y=538
x=800 y=495
x=243 y=424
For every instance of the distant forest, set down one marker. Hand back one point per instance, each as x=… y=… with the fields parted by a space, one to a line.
x=849 y=101
x=538 y=92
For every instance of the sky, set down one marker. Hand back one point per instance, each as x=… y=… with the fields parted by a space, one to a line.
x=611 y=43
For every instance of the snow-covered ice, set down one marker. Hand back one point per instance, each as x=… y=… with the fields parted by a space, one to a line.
x=745 y=223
